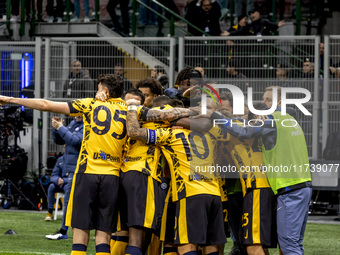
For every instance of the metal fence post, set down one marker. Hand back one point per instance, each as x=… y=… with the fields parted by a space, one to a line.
x=298 y=17
x=8 y=17
x=39 y=10
x=96 y=10
x=232 y=11
x=33 y=20
x=37 y=94
x=134 y=18
x=172 y=62
x=46 y=95
x=316 y=104
x=68 y=9
x=181 y=42
x=325 y=105
x=22 y=21
x=172 y=26
x=274 y=10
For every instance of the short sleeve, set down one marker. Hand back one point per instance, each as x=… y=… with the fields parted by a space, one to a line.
x=80 y=106
x=142 y=113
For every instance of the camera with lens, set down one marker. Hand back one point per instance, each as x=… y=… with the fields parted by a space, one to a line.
x=13 y=159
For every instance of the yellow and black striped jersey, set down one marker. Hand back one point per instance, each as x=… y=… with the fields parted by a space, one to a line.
x=190 y=156
x=248 y=158
x=255 y=178
x=222 y=159
x=104 y=136
x=145 y=157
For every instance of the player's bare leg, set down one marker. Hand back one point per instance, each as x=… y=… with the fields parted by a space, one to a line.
x=137 y=237
x=80 y=241
x=210 y=249
x=182 y=249
x=80 y=236
x=221 y=249
x=255 y=249
x=102 y=237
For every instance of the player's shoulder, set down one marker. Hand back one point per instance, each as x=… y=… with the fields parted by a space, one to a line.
x=112 y=104
x=84 y=101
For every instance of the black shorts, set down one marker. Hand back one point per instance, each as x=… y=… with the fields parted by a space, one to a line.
x=121 y=226
x=259 y=218
x=199 y=220
x=93 y=202
x=225 y=219
x=167 y=233
x=162 y=194
x=234 y=206
x=139 y=200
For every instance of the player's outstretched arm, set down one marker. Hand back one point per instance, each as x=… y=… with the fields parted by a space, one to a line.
x=159 y=115
x=170 y=114
x=37 y=104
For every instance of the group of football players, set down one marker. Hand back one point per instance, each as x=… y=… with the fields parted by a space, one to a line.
x=148 y=181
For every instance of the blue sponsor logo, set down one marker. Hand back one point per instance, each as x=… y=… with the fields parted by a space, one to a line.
x=104 y=156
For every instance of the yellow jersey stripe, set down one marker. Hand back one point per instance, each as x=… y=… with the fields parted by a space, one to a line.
x=68 y=218
x=256 y=217
x=182 y=222
x=164 y=216
x=150 y=204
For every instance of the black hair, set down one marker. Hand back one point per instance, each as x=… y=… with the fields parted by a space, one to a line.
x=164 y=80
x=161 y=101
x=187 y=73
x=257 y=106
x=240 y=17
x=154 y=86
x=114 y=82
x=135 y=92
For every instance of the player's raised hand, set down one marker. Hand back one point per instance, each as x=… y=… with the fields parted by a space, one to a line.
x=192 y=91
x=132 y=102
x=102 y=96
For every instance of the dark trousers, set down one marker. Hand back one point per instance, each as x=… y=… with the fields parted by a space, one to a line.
x=124 y=8
x=172 y=6
x=59 y=11
x=16 y=5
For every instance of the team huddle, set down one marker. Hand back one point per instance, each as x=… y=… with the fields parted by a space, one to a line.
x=142 y=181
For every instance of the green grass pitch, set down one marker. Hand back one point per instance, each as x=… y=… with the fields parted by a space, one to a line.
x=31 y=230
